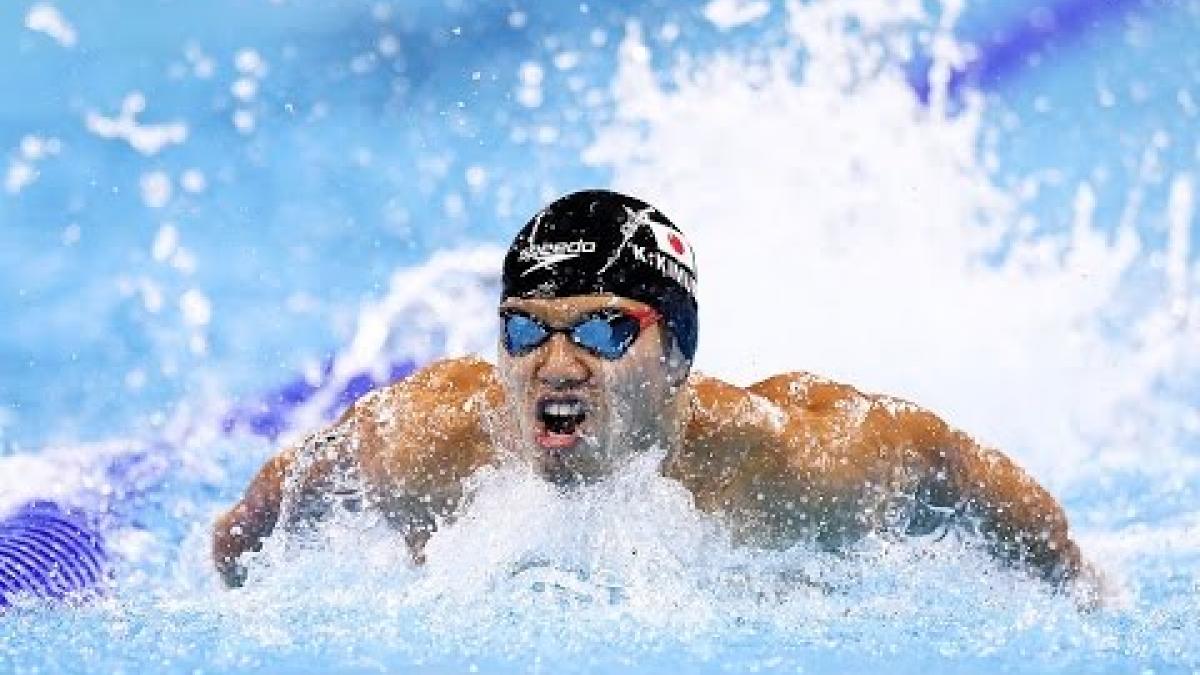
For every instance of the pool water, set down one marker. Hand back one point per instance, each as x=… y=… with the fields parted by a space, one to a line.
x=215 y=231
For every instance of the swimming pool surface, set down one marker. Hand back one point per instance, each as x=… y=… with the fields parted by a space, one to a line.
x=219 y=222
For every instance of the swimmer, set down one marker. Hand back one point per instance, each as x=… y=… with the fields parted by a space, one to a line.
x=598 y=326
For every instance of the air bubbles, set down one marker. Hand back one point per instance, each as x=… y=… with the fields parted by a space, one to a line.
x=1186 y=102
x=300 y=302
x=184 y=261
x=22 y=171
x=20 y=174
x=454 y=206
x=204 y=69
x=387 y=45
x=249 y=62
x=148 y=139
x=193 y=181
x=134 y=103
x=529 y=93
x=135 y=379
x=728 y=14
x=531 y=74
x=46 y=19
x=566 y=60
x=203 y=66
x=381 y=11
x=198 y=344
x=244 y=89
x=476 y=177
x=156 y=188
x=166 y=242
x=517 y=19
x=363 y=63
x=167 y=250
x=34 y=147
x=71 y=234
x=1105 y=97
x=196 y=307
x=244 y=121
x=633 y=49
x=151 y=294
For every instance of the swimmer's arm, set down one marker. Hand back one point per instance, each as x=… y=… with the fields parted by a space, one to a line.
x=1019 y=519
x=963 y=482
x=243 y=527
x=413 y=443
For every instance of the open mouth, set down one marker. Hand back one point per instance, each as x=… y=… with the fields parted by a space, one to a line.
x=559 y=419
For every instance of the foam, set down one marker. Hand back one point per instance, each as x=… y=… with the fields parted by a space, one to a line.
x=843 y=227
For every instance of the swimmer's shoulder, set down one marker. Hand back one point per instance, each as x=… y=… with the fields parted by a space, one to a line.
x=782 y=395
x=464 y=374
x=725 y=415
x=874 y=419
x=443 y=387
x=434 y=415
x=800 y=394
x=807 y=391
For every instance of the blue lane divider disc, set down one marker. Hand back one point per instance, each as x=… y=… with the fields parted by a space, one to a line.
x=47 y=551
x=271 y=415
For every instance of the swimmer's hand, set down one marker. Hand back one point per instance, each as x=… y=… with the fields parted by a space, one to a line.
x=305 y=473
x=243 y=527
x=1092 y=589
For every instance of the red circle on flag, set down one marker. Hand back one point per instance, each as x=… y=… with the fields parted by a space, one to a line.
x=677 y=244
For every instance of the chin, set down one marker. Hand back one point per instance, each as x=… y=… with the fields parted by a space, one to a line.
x=571 y=467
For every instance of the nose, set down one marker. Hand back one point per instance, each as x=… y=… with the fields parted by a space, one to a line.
x=561 y=365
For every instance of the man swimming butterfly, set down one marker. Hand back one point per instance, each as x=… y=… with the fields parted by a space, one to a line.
x=599 y=326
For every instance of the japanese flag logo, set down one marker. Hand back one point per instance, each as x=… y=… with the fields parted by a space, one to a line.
x=671 y=242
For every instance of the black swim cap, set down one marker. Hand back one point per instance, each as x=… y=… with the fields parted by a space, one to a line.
x=597 y=241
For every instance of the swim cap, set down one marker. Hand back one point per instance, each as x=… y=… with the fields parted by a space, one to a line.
x=597 y=241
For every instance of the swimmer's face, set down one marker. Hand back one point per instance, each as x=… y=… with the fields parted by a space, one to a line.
x=580 y=416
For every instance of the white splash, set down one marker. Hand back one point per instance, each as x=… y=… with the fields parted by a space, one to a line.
x=166 y=242
x=148 y=139
x=195 y=307
x=444 y=307
x=726 y=14
x=844 y=228
x=250 y=62
x=841 y=227
x=74 y=474
x=156 y=187
x=20 y=175
x=46 y=19
x=193 y=181
x=22 y=169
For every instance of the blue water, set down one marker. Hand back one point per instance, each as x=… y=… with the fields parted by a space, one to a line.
x=975 y=248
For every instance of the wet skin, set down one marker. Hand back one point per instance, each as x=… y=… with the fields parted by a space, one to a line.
x=794 y=458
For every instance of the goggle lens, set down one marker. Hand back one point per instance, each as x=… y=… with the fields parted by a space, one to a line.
x=607 y=334
x=523 y=334
x=606 y=337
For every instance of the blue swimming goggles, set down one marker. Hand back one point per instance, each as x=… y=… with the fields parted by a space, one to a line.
x=607 y=333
